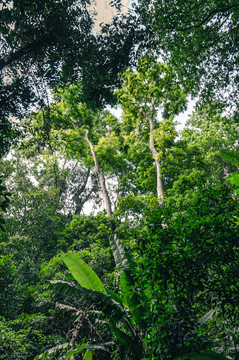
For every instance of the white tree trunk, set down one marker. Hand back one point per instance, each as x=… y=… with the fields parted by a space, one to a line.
x=154 y=152
x=100 y=177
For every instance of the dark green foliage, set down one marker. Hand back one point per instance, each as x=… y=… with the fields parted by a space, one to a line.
x=190 y=261
x=9 y=287
x=169 y=286
x=124 y=313
x=203 y=356
x=200 y=39
x=4 y=202
x=48 y=43
x=24 y=336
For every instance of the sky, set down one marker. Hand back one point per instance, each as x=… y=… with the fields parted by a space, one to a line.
x=104 y=11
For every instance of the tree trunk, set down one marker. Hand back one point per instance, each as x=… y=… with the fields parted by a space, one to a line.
x=100 y=177
x=154 y=153
x=80 y=201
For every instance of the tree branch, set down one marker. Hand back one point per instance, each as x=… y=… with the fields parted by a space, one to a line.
x=18 y=54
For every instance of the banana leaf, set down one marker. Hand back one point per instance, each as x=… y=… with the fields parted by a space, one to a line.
x=121 y=260
x=83 y=274
x=115 y=296
x=131 y=299
x=88 y=355
x=130 y=343
x=79 y=348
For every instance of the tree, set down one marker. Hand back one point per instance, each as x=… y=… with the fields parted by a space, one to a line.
x=38 y=40
x=45 y=43
x=83 y=133
x=33 y=226
x=4 y=202
x=208 y=130
x=79 y=118
x=189 y=259
x=141 y=96
x=200 y=39
x=100 y=176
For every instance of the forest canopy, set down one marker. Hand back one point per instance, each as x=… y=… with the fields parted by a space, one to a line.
x=118 y=231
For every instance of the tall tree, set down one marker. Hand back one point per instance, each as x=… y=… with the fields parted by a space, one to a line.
x=80 y=133
x=144 y=92
x=208 y=131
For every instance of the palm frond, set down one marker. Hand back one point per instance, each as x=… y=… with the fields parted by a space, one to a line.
x=90 y=298
x=68 y=308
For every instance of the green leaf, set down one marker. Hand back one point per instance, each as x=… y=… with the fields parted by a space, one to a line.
x=115 y=296
x=4 y=30
x=88 y=355
x=76 y=351
x=128 y=341
x=83 y=274
x=131 y=300
x=69 y=277
x=232 y=156
x=235 y=179
x=121 y=260
x=30 y=9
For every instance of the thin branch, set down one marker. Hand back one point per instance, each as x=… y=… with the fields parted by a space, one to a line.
x=203 y=21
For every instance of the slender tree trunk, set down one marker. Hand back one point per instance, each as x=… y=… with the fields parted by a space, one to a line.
x=100 y=177
x=154 y=152
x=79 y=202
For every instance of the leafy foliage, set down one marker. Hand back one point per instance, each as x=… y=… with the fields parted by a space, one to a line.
x=200 y=39
x=4 y=202
x=94 y=293
x=168 y=288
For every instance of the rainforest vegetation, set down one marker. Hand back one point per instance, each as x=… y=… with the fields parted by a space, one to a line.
x=119 y=233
